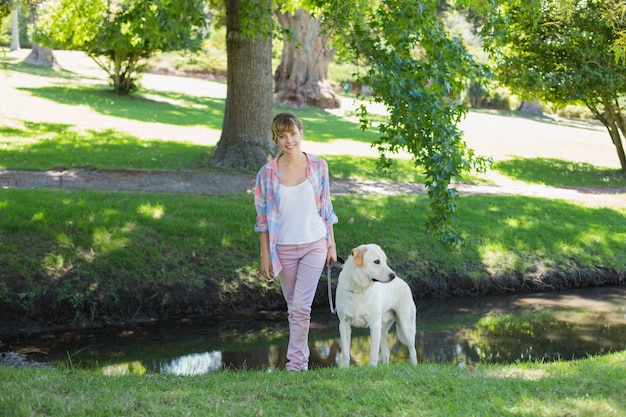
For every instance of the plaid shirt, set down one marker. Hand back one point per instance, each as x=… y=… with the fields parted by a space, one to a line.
x=266 y=195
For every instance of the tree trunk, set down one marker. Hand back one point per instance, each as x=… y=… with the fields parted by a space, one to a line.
x=613 y=120
x=246 y=131
x=301 y=77
x=15 y=29
x=617 y=129
x=40 y=56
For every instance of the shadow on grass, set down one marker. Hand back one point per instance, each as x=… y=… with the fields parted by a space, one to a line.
x=40 y=71
x=184 y=110
x=530 y=233
x=560 y=173
x=162 y=107
x=58 y=145
x=505 y=237
x=115 y=254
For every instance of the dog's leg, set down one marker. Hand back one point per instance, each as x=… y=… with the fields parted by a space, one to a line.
x=406 y=334
x=384 y=346
x=409 y=332
x=413 y=353
x=375 y=342
x=345 y=334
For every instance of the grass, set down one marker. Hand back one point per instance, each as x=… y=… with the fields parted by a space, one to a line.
x=590 y=387
x=110 y=256
x=41 y=146
x=560 y=173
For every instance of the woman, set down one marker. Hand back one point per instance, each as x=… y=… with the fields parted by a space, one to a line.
x=295 y=220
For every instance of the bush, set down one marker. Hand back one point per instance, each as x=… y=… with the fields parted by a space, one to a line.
x=575 y=111
x=489 y=97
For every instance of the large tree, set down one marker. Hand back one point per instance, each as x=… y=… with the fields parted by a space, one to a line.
x=245 y=140
x=118 y=35
x=562 y=51
x=302 y=76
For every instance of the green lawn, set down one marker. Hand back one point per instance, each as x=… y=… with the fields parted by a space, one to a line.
x=587 y=388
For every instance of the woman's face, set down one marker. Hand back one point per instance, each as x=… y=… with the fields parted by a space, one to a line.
x=289 y=141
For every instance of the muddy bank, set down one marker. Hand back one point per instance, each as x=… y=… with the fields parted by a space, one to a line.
x=213 y=301
x=552 y=280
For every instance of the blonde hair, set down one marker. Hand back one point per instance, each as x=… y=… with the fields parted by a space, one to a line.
x=284 y=122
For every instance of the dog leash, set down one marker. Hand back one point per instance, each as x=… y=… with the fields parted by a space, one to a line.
x=330 y=293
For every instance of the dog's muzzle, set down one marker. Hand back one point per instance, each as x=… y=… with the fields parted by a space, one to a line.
x=391 y=278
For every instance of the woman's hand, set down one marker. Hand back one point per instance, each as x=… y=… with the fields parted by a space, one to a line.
x=331 y=256
x=266 y=268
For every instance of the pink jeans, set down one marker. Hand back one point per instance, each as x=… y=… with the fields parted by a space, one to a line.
x=302 y=267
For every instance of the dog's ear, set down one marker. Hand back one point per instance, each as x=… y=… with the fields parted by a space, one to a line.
x=357 y=254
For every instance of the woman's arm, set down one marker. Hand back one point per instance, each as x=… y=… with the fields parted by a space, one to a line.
x=266 y=263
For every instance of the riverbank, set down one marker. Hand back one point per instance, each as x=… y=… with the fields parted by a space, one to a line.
x=85 y=256
x=76 y=258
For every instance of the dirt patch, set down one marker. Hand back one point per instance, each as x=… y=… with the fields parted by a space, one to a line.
x=219 y=183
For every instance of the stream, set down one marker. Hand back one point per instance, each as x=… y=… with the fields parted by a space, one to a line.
x=457 y=331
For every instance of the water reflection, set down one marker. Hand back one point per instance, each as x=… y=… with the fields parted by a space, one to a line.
x=194 y=364
x=454 y=331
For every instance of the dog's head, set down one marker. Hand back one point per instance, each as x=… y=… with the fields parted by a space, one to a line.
x=371 y=263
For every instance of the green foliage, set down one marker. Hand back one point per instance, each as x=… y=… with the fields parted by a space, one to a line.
x=118 y=35
x=561 y=51
x=5 y=8
x=418 y=71
x=614 y=13
x=490 y=97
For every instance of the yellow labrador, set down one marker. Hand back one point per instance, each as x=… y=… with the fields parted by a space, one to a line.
x=369 y=294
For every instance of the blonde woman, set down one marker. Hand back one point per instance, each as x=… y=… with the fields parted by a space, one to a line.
x=295 y=220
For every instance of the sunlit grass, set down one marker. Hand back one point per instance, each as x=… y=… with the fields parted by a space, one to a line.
x=42 y=146
x=152 y=241
x=588 y=387
x=560 y=173
x=32 y=145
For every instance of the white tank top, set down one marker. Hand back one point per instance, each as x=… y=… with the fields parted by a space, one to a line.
x=300 y=221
